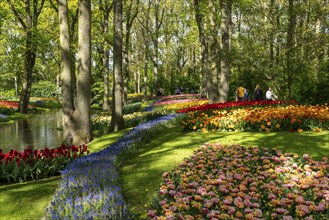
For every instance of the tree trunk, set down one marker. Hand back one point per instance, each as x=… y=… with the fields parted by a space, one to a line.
x=130 y=17
x=204 y=73
x=106 y=72
x=226 y=9
x=29 y=62
x=290 y=54
x=66 y=74
x=214 y=54
x=117 y=122
x=155 y=39
x=30 y=25
x=82 y=124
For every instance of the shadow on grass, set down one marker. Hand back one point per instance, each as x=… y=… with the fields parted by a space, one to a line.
x=106 y=140
x=142 y=171
x=27 y=200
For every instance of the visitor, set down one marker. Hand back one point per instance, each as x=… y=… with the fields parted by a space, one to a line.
x=177 y=91
x=270 y=95
x=246 y=94
x=160 y=92
x=240 y=94
x=258 y=93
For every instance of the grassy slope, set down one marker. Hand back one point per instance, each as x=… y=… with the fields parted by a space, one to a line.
x=141 y=173
x=29 y=200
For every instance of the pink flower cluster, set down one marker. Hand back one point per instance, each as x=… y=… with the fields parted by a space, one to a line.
x=235 y=182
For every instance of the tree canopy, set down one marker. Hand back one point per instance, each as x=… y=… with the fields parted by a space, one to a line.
x=191 y=44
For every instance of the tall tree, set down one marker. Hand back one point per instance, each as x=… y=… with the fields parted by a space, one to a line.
x=82 y=114
x=105 y=9
x=205 y=72
x=130 y=15
x=66 y=75
x=117 y=122
x=214 y=52
x=29 y=22
x=226 y=9
x=76 y=106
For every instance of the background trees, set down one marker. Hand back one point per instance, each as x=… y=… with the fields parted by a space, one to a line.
x=272 y=43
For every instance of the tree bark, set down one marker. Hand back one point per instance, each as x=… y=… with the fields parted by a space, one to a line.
x=130 y=17
x=226 y=9
x=105 y=8
x=213 y=54
x=82 y=124
x=117 y=122
x=204 y=73
x=290 y=50
x=66 y=74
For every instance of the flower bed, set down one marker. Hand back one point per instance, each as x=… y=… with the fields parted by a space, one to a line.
x=235 y=182
x=185 y=103
x=21 y=166
x=101 y=123
x=90 y=188
x=293 y=118
x=8 y=104
x=226 y=105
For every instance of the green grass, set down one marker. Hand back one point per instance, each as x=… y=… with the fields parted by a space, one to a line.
x=26 y=200
x=29 y=200
x=141 y=173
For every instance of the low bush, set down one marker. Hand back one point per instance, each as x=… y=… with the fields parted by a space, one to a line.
x=131 y=108
x=101 y=123
x=45 y=89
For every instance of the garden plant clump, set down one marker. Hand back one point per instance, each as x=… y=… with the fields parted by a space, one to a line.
x=235 y=182
x=267 y=118
x=36 y=164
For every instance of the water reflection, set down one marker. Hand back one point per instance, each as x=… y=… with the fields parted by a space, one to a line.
x=34 y=133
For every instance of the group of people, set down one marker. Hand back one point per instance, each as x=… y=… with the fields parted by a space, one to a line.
x=242 y=94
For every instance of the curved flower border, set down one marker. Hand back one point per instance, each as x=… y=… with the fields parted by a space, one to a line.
x=90 y=186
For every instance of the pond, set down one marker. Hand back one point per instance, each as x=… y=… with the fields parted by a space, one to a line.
x=34 y=133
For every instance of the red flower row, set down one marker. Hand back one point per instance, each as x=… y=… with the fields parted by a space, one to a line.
x=29 y=155
x=9 y=104
x=230 y=105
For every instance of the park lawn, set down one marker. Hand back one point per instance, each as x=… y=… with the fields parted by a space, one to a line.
x=141 y=173
x=29 y=200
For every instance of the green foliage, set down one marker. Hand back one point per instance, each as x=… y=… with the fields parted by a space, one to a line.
x=44 y=89
x=7 y=111
x=10 y=93
x=101 y=124
x=131 y=108
x=97 y=92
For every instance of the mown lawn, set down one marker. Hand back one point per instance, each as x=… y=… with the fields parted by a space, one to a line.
x=141 y=171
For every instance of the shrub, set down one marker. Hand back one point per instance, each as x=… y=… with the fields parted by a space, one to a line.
x=131 y=108
x=44 y=89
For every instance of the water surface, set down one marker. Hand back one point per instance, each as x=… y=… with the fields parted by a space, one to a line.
x=37 y=132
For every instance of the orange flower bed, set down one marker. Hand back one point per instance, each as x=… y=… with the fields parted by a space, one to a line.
x=293 y=118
